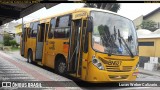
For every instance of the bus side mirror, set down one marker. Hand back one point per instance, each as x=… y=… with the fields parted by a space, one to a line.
x=90 y=24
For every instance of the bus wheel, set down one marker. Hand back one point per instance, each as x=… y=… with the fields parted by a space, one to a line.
x=30 y=57
x=60 y=66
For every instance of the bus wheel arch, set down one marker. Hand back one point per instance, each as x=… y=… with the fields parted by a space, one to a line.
x=60 y=64
x=30 y=56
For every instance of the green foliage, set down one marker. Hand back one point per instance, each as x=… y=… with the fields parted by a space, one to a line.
x=1 y=42
x=8 y=41
x=107 y=6
x=13 y=43
x=150 y=25
x=15 y=48
x=6 y=38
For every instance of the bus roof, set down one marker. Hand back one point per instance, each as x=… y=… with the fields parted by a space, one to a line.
x=72 y=11
x=79 y=9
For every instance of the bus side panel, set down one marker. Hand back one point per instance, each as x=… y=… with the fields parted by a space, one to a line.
x=53 y=48
x=48 y=53
x=31 y=44
x=62 y=47
x=85 y=73
x=84 y=66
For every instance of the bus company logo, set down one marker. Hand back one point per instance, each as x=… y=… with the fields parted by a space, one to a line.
x=114 y=63
x=6 y=84
x=111 y=62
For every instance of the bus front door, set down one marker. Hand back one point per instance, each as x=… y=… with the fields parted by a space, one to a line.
x=75 y=48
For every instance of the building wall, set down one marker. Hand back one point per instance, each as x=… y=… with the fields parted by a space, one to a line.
x=138 y=21
x=155 y=17
x=18 y=28
x=17 y=38
x=18 y=31
x=149 y=50
x=157 y=48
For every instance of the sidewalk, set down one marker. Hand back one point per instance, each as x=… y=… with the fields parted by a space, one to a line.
x=39 y=73
x=16 y=55
x=153 y=73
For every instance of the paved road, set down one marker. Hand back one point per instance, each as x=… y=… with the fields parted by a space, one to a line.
x=14 y=67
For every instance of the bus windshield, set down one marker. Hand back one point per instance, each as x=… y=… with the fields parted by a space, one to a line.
x=113 y=34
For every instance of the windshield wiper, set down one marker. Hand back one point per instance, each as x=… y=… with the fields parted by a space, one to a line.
x=130 y=52
x=109 y=42
x=112 y=38
x=106 y=37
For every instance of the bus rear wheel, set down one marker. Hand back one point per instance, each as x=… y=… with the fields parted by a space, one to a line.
x=30 y=57
x=60 y=66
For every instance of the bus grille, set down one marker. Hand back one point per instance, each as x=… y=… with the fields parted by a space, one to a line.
x=118 y=77
x=117 y=68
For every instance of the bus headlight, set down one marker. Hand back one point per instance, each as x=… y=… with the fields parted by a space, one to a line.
x=98 y=64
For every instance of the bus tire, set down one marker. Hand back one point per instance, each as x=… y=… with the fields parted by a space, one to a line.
x=30 y=57
x=60 y=66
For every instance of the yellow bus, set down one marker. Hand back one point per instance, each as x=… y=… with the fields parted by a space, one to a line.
x=91 y=44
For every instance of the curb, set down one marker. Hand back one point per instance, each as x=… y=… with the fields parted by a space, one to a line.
x=149 y=72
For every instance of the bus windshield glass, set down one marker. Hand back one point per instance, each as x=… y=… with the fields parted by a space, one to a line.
x=113 y=34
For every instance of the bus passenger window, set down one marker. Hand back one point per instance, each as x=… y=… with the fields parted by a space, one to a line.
x=63 y=27
x=64 y=21
x=57 y=23
x=50 y=33
x=61 y=32
x=28 y=32
x=33 y=32
x=52 y=27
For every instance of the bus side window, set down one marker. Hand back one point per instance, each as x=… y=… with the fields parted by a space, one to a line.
x=28 y=32
x=46 y=32
x=62 y=29
x=51 y=28
x=57 y=22
x=33 y=32
x=50 y=33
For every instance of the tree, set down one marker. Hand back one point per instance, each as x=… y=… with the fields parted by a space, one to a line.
x=13 y=43
x=107 y=6
x=150 y=25
x=6 y=39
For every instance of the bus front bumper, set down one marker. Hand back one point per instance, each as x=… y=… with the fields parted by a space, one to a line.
x=101 y=76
